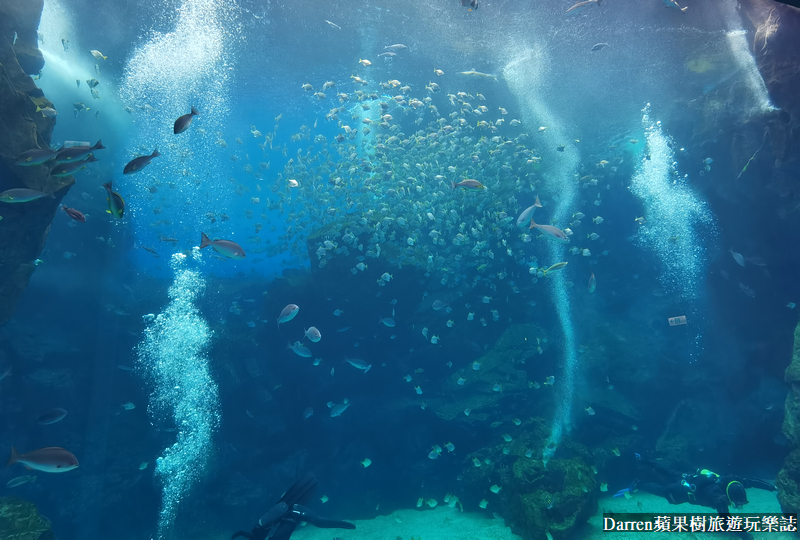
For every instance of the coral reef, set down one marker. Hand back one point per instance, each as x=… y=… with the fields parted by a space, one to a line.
x=19 y=520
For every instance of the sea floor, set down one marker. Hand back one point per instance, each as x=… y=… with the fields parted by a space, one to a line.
x=444 y=523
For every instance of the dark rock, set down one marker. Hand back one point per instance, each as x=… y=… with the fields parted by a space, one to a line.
x=23 y=18
x=24 y=227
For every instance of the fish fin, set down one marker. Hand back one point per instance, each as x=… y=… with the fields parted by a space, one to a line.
x=13 y=458
x=108 y=211
x=299 y=489
x=38 y=108
x=195 y=112
x=537 y=204
x=155 y=153
x=368 y=368
x=205 y=242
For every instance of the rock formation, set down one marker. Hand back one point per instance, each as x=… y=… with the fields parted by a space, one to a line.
x=24 y=227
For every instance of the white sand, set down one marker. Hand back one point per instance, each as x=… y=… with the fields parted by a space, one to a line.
x=440 y=523
x=444 y=523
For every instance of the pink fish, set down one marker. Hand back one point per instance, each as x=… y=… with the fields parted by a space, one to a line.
x=468 y=184
x=51 y=460
x=74 y=214
x=288 y=313
x=553 y=233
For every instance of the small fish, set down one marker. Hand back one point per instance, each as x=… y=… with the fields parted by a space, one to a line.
x=592 y=282
x=674 y=4
x=450 y=446
x=615 y=451
x=366 y=462
x=313 y=334
x=183 y=122
x=388 y=321
x=52 y=416
x=288 y=313
x=737 y=257
x=308 y=412
x=603 y=487
x=50 y=460
x=67 y=169
x=468 y=184
x=599 y=46
x=476 y=365
x=478 y=74
x=550 y=380
x=495 y=488
x=226 y=248
x=65 y=44
x=19 y=480
x=139 y=163
x=337 y=410
x=47 y=111
x=338 y=313
x=128 y=406
x=581 y=5
x=333 y=24
x=589 y=411
x=299 y=349
x=557 y=266
x=359 y=364
x=98 y=55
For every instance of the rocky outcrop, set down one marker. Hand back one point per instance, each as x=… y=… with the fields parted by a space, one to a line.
x=24 y=227
x=788 y=481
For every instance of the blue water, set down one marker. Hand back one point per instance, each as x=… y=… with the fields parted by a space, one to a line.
x=189 y=338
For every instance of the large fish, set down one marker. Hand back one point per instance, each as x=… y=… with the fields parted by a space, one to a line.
x=77 y=153
x=50 y=460
x=226 y=248
x=337 y=410
x=478 y=74
x=550 y=232
x=183 y=123
x=22 y=195
x=67 y=169
x=359 y=364
x=37 y=156
x=137 y=164
x=116 y=204
x=527 y=214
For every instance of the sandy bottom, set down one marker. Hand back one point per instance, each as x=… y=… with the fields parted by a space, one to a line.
x=444 y=523
x=440 y=523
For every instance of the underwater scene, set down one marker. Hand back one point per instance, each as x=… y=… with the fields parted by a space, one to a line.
x=421 y=270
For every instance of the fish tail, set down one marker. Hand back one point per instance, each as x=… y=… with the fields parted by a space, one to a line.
x=537 y=204
x=453 y=185
x=107 y=185
x=533 y=224
x=13 y=458
x=155 y=152
x=38 y=108
x=368 y=367
x=204 y=241
x=195 y=112
x=99 y=145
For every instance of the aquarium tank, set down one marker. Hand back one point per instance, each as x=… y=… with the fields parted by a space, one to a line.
x=367 y=270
